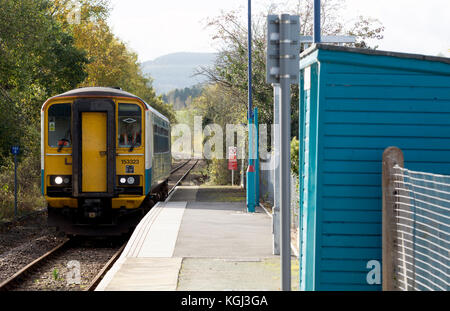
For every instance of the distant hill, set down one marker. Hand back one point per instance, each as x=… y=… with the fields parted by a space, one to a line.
x=174 y=71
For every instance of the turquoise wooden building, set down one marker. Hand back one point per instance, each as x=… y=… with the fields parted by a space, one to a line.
x=354 y=103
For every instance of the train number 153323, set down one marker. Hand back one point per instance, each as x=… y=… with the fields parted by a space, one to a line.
x=130 y=161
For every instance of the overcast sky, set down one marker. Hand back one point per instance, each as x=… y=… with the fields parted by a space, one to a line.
x=156 y=27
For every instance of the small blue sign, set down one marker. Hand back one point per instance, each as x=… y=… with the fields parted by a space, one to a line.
x=15 y=150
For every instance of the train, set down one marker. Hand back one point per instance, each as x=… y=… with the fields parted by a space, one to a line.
x=105 y=160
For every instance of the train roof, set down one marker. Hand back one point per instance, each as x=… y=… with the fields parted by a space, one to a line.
x=107 y=92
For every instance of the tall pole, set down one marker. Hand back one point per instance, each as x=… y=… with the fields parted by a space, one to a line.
x=316 y=36
x=255 y=121
x=15 y=185
x=251 y=202
x=276 y=175
x=285 y=151
x=249 y=44
x=283 y=48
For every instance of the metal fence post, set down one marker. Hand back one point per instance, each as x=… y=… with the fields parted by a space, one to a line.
x=391 y=157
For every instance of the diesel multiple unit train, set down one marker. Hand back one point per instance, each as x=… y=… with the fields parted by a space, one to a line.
x=106 y=159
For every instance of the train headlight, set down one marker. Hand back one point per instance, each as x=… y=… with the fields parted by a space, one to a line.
x=129 y=180
x=60 y=180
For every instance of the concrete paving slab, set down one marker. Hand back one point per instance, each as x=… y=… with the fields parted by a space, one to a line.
x=162 y=235
x=184 y=193
x=233 y=274
x=216 y=229
x=145 y=274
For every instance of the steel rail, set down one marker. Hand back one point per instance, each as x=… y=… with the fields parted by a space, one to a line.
x=179 y=166
x=105 y=269
x=182 y=178
x=14 y=278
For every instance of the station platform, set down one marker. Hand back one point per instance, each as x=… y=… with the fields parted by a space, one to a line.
x=201 y=238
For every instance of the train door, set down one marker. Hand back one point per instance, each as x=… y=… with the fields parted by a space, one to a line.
x=94 y=145
x=93 y=148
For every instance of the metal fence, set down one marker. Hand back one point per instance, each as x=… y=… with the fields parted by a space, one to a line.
x=416 y=227
x=422 y=217
x=266 y=182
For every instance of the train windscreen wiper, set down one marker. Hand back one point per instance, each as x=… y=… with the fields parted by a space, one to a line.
x=133 y=144
x=62 y=142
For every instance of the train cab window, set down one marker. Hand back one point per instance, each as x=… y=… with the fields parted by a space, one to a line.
x=130 y=125
x=59 y=119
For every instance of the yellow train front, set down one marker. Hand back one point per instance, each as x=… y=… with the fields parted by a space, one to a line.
x=106 y=159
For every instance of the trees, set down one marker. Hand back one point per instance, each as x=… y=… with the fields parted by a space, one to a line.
x=230 y=69
x=229 y=73
x=38 y=59
x=111 y=63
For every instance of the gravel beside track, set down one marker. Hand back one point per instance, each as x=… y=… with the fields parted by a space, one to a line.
x=25 y=241
x=58 y=274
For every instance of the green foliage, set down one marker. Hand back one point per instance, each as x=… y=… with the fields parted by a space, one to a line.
x=29 y=191
x=229 y=73
x=294 y=155
x=111 y=63
x=55 y=274
x=230 y=69
x=218 y=172
x=38 y=59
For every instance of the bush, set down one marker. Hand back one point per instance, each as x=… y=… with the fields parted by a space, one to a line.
x=29 y=187
x=218 y=172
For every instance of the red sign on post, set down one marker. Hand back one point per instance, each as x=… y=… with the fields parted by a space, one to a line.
x=232 y=158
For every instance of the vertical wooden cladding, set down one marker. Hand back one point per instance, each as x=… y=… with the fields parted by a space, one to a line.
x=366 y=103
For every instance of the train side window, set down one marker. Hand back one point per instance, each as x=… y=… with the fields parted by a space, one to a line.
x=160 y=139
x=59 y=119
x=156 y=143
x=130 y=125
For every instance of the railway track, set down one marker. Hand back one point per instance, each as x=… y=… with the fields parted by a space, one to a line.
x=48 y=271
x=14 y=279
x=105 y=269
x=31 y=270
x=179 y=180
x=178 y=167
